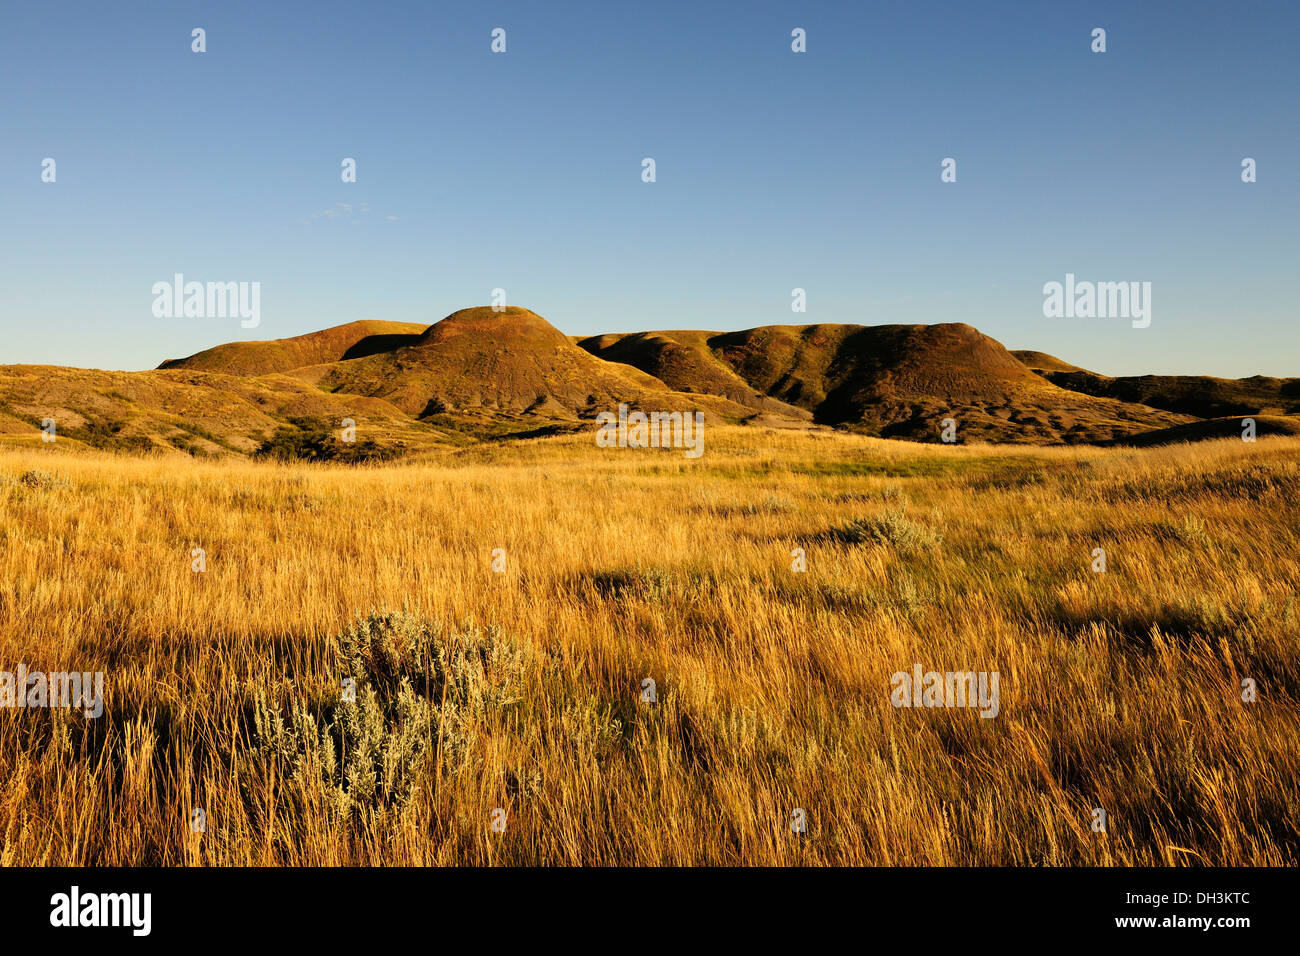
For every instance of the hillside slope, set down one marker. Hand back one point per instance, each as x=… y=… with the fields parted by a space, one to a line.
x=1199 y=395
x=896 y=381
x=480 y=363
x=202 y=413
x=1213 y=428
x=353 y=340
x=1044 y=362
x=683 y=361
x=482 y=374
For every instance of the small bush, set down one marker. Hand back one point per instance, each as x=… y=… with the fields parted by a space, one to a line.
x=892 y=527
x=654 y=585
x=1190 y=532
x=108 y=435
x=310 y=439
x=36 y=478
x=423 y=694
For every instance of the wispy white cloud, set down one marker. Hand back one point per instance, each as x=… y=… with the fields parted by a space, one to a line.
x=345 y=211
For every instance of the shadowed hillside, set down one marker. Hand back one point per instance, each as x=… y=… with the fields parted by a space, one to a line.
x=481 y=374
x=896 y=381
x=1041 y=361
x=481 y=363
x=683 y=361
x=1199 y=395
x=1212 y=428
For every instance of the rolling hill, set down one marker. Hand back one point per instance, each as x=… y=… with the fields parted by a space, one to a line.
x=337 y=344
x=1210 y=428
x=482 y=374
x=202 y=413
x=483 y=364
x=1042 y=362
x=1200 y=395
x=895 y=381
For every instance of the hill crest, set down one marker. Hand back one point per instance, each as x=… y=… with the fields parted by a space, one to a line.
x=486 y=372
x=335 y=344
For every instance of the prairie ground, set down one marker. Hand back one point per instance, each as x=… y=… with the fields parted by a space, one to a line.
x=513 y=681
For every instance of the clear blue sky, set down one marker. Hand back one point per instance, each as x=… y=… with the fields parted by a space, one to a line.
x=775 y=170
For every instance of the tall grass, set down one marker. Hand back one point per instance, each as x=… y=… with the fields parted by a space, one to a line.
x=521 y=689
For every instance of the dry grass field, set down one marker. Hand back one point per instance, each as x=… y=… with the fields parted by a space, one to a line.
x=520 y=689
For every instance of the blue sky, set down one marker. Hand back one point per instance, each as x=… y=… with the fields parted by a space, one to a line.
x=775 y=170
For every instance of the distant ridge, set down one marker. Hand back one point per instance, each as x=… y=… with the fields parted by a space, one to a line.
x=481 y=362
x=896 y=381
x=337 y=344
x=1200 y=395
x=1041 y=361
x=486 y=373
x=1213 y=428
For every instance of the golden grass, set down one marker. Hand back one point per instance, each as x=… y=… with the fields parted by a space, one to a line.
x=1119 y=690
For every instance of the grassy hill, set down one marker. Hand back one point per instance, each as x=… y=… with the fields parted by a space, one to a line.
x=683 y=361
x=201 y=413
x=513 y=364
x=337 y=344
x=1042 y=361
x=481 y=374
x=1207 y=429
x=897 y=381
x=1200 y=395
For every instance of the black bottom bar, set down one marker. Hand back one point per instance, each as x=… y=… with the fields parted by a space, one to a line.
x=945 y=906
